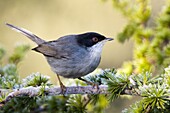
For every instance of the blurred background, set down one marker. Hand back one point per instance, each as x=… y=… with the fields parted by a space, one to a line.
x=55 y=18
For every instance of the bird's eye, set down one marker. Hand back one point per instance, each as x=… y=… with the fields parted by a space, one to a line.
x=95 y=39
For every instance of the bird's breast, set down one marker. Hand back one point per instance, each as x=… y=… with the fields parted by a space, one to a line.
x=76 y=65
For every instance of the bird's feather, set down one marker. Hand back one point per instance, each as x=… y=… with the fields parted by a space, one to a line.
x=27 y=33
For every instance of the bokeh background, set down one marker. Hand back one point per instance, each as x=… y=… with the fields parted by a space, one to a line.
x=52 y=19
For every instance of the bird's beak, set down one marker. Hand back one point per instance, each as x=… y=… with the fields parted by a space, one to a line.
x=109 y=39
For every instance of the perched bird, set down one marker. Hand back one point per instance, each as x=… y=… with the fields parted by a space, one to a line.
x=70 y=56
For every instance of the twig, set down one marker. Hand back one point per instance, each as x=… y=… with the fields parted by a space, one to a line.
x=51 y=91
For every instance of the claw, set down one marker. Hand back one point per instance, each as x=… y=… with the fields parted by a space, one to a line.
x=63 y=88
x=96 y=85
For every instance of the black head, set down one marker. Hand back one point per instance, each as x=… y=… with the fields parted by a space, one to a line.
x=90 y=38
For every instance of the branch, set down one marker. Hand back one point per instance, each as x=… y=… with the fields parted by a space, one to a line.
x=51 y=91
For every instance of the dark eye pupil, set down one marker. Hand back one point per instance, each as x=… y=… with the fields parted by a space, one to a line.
x=95 y=39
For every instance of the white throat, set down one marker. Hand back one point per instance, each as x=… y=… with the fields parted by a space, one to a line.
x=96 y=49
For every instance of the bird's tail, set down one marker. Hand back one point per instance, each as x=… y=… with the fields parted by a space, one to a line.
x=27 y=33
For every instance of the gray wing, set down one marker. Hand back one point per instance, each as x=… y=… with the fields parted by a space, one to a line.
x=51 y=51
x=64 y=47
x=27 y=33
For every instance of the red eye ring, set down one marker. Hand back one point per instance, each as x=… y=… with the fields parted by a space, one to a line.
x=95 y=39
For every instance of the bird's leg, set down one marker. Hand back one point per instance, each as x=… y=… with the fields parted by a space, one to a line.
x=91 y=83
x=63 y=88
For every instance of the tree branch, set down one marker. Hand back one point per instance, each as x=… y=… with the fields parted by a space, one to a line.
x=51 y=91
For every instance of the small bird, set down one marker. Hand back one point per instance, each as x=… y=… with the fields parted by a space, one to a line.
x=70 y=56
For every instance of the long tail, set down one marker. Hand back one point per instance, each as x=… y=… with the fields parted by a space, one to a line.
x=27 y=33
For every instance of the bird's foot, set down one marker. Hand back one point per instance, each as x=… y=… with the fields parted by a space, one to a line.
x=63 y=89
x=95 y=85
x=90 y=83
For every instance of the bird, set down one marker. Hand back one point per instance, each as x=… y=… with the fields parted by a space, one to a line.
x=70 y=56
